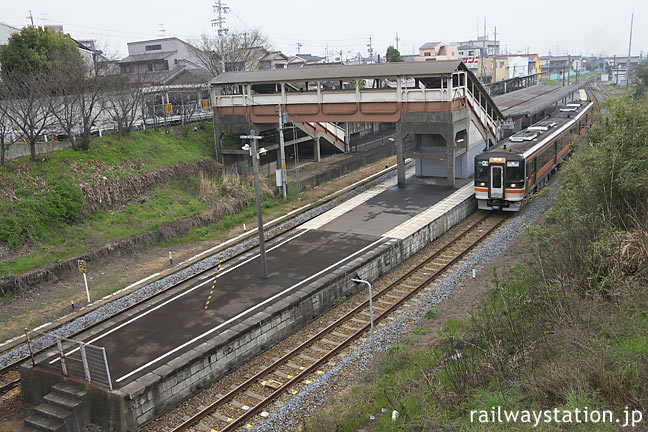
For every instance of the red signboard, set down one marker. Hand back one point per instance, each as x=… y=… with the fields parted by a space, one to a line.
x=471 y=61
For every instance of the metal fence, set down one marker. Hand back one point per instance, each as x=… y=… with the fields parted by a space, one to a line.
x=77 y=359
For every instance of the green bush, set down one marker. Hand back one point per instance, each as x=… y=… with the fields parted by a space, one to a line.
x=30 y=218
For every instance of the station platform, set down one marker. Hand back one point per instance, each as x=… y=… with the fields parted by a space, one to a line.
x=523 y=107
x=163 y=352
x=316 y=247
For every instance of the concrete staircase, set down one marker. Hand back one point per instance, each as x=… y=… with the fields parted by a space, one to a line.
x=331 y=132
x=63 y=410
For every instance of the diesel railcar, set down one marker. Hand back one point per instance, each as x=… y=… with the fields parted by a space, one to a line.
x=522 y=163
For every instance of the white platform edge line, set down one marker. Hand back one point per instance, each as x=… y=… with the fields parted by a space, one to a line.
x=429 y=215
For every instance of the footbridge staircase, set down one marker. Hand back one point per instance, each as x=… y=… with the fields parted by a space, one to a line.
x=440 y=105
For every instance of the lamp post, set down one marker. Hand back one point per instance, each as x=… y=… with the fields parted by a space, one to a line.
x=373 y=342
x=255 y=167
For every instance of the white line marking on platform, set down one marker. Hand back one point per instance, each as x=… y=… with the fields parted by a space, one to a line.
x=248 y=311
x=182 y=294
x=420 y=220
x=347 y=206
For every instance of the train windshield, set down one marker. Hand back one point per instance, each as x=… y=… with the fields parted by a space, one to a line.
x=514 y=171
x=481 y=170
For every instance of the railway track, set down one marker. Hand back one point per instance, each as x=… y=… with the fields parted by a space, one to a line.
x=301 y=365
x=14 y=365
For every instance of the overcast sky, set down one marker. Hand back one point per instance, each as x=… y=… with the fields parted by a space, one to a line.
x=578 y=27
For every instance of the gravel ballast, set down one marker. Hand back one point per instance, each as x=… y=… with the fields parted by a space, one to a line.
x=150 y=290
x=391 y=331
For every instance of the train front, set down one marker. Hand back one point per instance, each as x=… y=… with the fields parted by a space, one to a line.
x=499 y=181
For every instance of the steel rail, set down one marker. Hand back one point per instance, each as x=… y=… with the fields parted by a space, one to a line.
x=14 y=365
x=8 y=386
x=254 y=379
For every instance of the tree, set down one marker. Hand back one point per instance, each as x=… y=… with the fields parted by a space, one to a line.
x=8 y=136
x=76 y=99
x=393 y=55
x=35 y=49
x=188 y=107
x=26 y=105
x=123 y=102
x=241 y=51
x=44 y=80
x=641 y=71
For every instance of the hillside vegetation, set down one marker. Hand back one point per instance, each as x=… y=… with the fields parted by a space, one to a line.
x=68 y=202
x=567 y=329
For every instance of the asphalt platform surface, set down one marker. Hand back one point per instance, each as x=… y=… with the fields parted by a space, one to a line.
x=164 y=331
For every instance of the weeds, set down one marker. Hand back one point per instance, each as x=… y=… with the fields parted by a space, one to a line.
x=567 y=328
x=431 y=314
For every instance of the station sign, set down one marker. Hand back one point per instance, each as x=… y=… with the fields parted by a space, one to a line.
x=83 y=267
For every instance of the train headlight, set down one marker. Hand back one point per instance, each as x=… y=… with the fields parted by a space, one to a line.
x=513 y=185
x=482 y=184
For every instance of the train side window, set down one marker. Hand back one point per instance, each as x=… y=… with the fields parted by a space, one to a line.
x=530 y=168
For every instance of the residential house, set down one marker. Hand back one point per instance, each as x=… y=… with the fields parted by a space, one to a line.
x=486 y=46
x=273 y=60
x=158 y=60
x=432 y=51
x=301 y=60
x=5 y=32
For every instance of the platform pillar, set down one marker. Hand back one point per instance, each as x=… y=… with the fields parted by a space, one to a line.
x=316 y=149
x=400 y=158
x=450 y=159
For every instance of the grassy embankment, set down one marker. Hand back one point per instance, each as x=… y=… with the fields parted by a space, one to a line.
x=41 y=202
x=567 y=329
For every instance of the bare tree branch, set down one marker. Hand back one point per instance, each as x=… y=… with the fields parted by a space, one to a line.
x=26 y=105
x=241 y=51
x=8 y=136
x=123 y=103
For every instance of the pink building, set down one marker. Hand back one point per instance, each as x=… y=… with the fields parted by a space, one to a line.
x=155 y=59
x=432 y=51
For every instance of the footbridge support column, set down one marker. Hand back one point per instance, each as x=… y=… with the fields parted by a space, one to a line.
x=400 y=157
x=316 y=149
x=450 y=160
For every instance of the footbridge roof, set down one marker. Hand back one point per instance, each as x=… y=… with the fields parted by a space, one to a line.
x=337 y=72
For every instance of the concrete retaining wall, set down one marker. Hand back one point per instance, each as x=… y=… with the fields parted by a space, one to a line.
x=20 y=148
x=162 y=389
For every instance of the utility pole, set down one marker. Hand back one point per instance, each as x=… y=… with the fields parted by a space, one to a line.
x=397 y=39
x=257 y=194
x=370 y=49
x=31 y=18
x=221 y=9
x=629 y=47
x=568 y=69
x=299 y=45
x=284 y=176
x=162 y=31
x=495 y=57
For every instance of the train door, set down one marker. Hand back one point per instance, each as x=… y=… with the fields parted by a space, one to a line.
x=497 y=181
